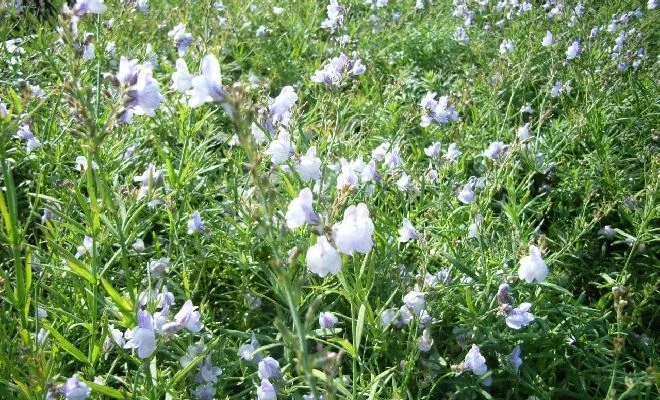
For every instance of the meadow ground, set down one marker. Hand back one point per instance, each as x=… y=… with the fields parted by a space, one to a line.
x=372 y=200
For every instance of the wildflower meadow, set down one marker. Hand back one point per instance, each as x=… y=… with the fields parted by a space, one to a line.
x=329 y=199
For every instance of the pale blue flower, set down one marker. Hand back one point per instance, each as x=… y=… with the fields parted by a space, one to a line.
x=514 y=358
x=415 y=301
x=182 y=39
x=532 y=267
x=475 y=362
x=327 y=320
x=407 y=231
x=266 y=391
x=74 y=389
x=205 y=392
x=207 y=86
x=269 y=368
x=83 y=7
x=355 y=232
x=300 y=211
x=193 y=351
x=196 y=225
x=425 y=342
x=322 y=258
x=520 y=316
x=309 y=165
x=208 y=373
x=142 y=337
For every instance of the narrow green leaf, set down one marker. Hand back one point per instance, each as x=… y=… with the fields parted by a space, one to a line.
x=66 y=345
x=359 y=326
x=106 y=391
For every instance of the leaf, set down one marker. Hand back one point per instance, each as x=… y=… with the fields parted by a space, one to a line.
x=359 y=326
x=110 y=392
x=556 y=287
x=66 y=345
x=121 y=302
x=75 y=265
x=346 y=345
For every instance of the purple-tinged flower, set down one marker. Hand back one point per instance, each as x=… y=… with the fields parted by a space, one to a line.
x=527 y=108
x=523 y=133
x=74 y=389
x=461 y=36
x=158 y=268
x=205 y=392
x=453 y=153
x=327 y=320
x=128 y=71
x=433 y=151
x=207 y=86
x=355 y=231
x=138 y=245
x=495 y=150
x=42 y=335
x=407 y=231
x=3 y=110
x=425 y=342
x=425 y=319
x=440 y=277
x=266 y=391
x=514 y=358
x=144 y=97
x=475 y=362
x=182 y=39
x=254 y=302
x=337 y=69
x=48 y=215
x=388 y=317
x=335 y=17
x=165 y=298
x=392 y=159
x=323 y=259
x=573 y=50
x=208 y=373
x=31 y=142
x=309 y=165
x=466 y=195
x=269 y=368
x=405 y=316
x=280 y=149
x=248 y=351
x=142 y=337
x=150 y=180
x=532 y=267
x=83 y=7
x=473 y=229
x=187 y=318
x=300 y=211
x=181 y=78
x=415 y=301
x=193 y=351
x=507 y=46
x=503 y=295
x=652 y=4
x=196 y=225
x=437 y=111
x=279 y=108
x=520 y=316
x=88 y=52
x=607 y=232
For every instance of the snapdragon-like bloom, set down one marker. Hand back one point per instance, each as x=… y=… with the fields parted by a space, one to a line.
x=355 y=231
x=437 y=111
x=269 y=368
x=327 y=320
x=473 y=229
x=279 y=108
x=415 y=301
x=158 y=268
x=87 y=247
x=407 y=231
x=548 y=39
x=573 y=50
x=143 y=337
x=309 y=165
x=433 y=151
x=150 y=180
x=466 y=195
x=523 y=132
x=453 y=153
x=475 y=362
x=196 y=225
x=187 y=318
x=461 y=36
x=514 y=358
x=532 y=267
x=322 y=258
x=335 y=17
x=205 y=392
x=280 y=149
x=266 y=391
x=348 y=177
x=507 y=46
x=142 y=98
x=182 y=39
x=392 y=159
x=425 y=342
x=31 y=142
x=300 y=211
x=520 y=316
x=208 y=373
x=83 y=7
x=495 y=150
x=388 y=317
x=337 y=69
x=248 y=351
x=181 y=78
x=207 y=86
x=74 y=389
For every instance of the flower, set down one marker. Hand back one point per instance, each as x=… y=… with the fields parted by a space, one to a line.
x=523 y=132
x=322 y=259
x=208 y=373
x=279 y=108
x=269 y=368
x=309 y=165
x=475 y=362
x=207 y=86
x=182 y=39
x=205 y=392
x=81 y=164
x=452 y=153
x=83 y=7
x=158 y=268
x=144 y=97
x=466 y=195
x=355 y=231
x=142 y=337
x=196 y=224
x=532 y=267
x=335 y=16
x=74 y=389
x=266 y=391
x=548 y=39
x=607 y=231
x=425 y=341
x=514 y=358
x=31 y=141
x=387 y=317
x=300 y=211
x=415 y=301
x=87 y=247
x=280 y=149
x=520 y=317
x=392 y=158
x=150 y=180
x=327 y=320
x=337 y=69
x=193 y=351
x=407 y=231
x=138 y=245
x=433 y=151
x=507 y=46
x=495 y=150
x=187 y=318
x=181 y=78
x=436 y=111
x=573 y=50
x=248 y=351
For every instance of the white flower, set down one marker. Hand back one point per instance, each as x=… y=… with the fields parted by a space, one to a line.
x=573 y=50
x=523 y=132
x=83 y=7
x=266 y=391
x=280 y=149
x=300 y=211
x=453 y=153
x=407 y=231
x=425 y=341
x=355 y=232
x=548 y=39
x=532 y=267
x=309 y=165
x=387 y=317
x=415 y=301
x=520 y=317
x=279 y=108
x=495 y=150
x=145 y=94
x=322 y=259
x=181 y=78
x=207 y=87
x=507 y=46
x=433 y=151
